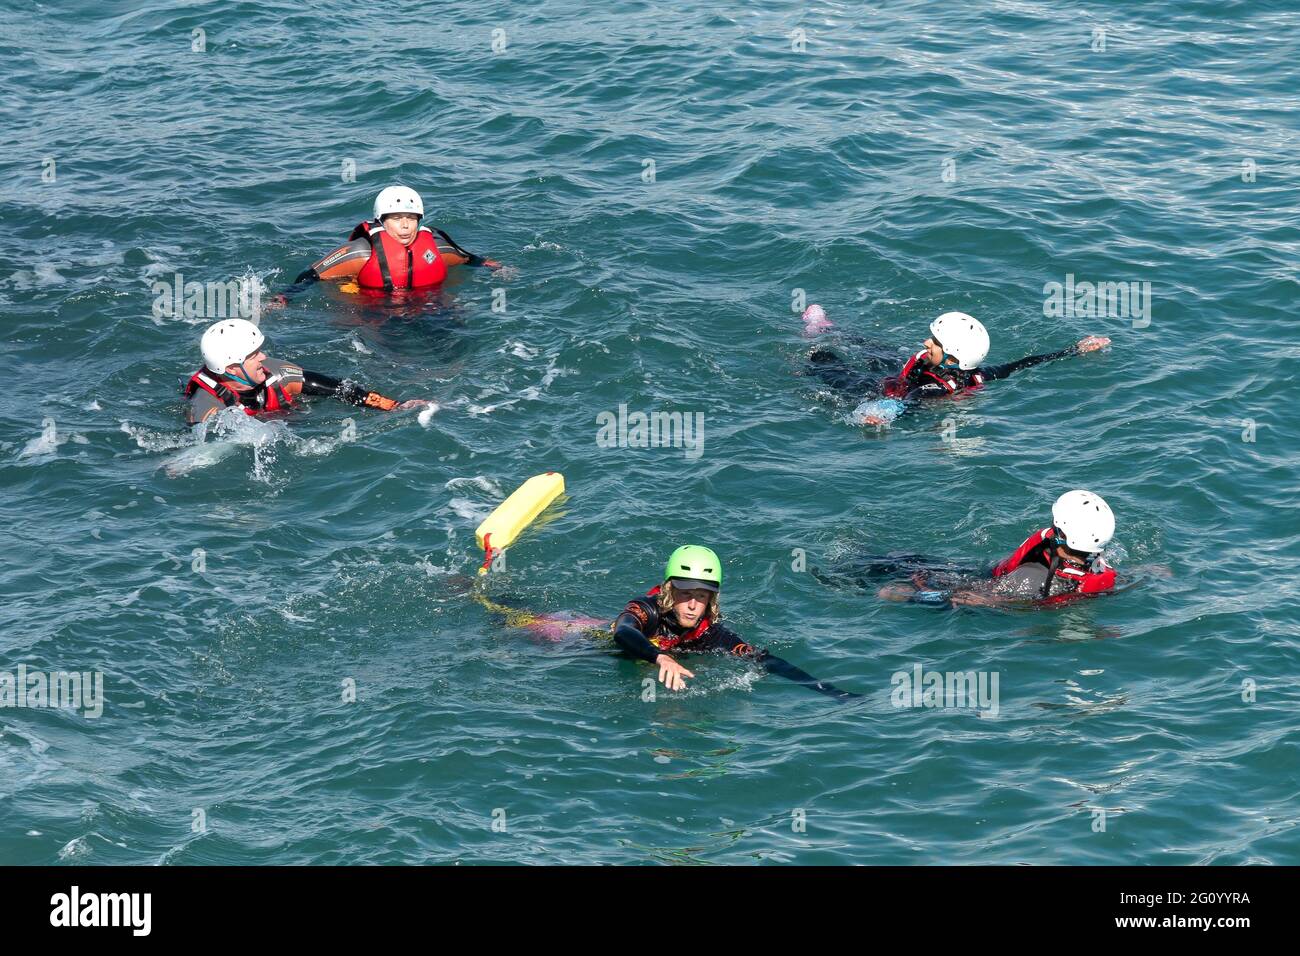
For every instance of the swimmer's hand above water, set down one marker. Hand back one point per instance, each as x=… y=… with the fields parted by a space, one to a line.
x=877 y=411
x=671 y=673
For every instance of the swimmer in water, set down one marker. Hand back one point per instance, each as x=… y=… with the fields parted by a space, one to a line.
x=1054 y=564
x=392 y=251
x=681 y=615
x=947 y=365
x=237 y=372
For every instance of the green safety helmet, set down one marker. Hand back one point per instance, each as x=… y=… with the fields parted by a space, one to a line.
x=693 y=566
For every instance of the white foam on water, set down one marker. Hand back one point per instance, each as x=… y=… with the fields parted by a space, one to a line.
x=75 y=849
x=160 y=261
x=489 y=409
x=231 y=429
x=481 y=482
x=18 y=767
x=426 y=414
x=109 y=256
x=45 y=274
x=468 y=510
x=45 y=444
x=316 y=447
x=885 y=409
x=155 y=441
x=519 y=350
x=162 y=301
x=553 y=372
x=197 y=457
x=360 y=346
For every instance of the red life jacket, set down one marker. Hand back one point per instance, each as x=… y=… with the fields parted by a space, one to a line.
x=670 y=641
x=1039 y=547
x=274 y=397
x=899 y=386
x=394 y=266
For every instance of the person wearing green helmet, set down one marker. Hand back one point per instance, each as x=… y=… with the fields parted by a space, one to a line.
x=681 y=615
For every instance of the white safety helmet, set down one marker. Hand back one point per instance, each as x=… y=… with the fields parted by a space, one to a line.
x=229 y=342
x=963 y=337
x=1086 y=521
x=398 y=199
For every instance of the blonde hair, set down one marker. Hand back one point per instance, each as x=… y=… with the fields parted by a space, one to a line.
x=666 y=601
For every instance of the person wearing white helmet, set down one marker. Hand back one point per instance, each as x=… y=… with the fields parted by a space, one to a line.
x=391 y=251
x=237 y=372
x=1054 y=564
x=1067 y=556
x=949 y=362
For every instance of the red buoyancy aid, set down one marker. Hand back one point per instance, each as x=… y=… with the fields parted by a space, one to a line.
x=394 y=266
x=694 y=634
x=1039 y=546
x=276 y=398
x=898 y=387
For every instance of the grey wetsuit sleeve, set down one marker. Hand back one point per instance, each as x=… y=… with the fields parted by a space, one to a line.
x=201 y=405
x=356 y=249
x=288 y=372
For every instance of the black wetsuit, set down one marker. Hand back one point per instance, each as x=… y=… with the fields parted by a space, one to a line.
x=645 y=633
x=306 y=279
x=871 y=570
x=936 y=579
x=869 y=377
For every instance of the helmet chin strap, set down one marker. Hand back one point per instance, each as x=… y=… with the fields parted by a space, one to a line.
x=246 y=380
x=1052 y=565
x=943 y=362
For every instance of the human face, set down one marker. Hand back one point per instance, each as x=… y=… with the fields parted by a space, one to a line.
x=253 y=366
x=933 y=351
x=402 y=226
x=1072 y=557
x=1064 y=553
x=689 y=606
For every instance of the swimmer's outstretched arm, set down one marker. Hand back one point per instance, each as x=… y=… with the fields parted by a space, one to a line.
x=461 y=256
x=629 y=636
x=346 y=390
x=1090 y=344
x=783 y=668
x=343 y=263
x=721 y=638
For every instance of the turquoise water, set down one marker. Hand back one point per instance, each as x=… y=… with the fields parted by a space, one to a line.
x=225 y=737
